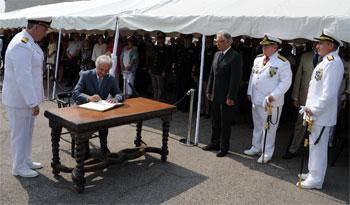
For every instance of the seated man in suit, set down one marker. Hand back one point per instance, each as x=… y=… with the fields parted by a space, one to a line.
x=95 y=85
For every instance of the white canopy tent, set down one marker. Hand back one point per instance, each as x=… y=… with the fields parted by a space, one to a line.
x=288 y=19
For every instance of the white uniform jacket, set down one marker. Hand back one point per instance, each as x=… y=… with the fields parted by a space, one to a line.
x=23 y=82
x=273 y=79
x=323 y=92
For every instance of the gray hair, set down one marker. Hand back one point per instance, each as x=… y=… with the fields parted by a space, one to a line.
x=103 y=59
x=225 y=35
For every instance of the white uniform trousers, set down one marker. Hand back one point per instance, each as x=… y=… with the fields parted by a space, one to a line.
x=129 y=77
x=259 y=120
x=21 y=124
x=318 y=154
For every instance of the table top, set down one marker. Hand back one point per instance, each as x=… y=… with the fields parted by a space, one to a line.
x=133 y=110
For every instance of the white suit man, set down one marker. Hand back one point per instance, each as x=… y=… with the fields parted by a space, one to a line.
x=270 y=79
x=321 y=107
x=23 y=92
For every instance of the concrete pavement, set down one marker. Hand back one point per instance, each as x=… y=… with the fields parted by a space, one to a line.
x=190 y=176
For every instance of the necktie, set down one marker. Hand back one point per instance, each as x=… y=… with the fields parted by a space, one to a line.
x=315 y=60
x=221 y=56
x=266 y=59
x=99 y=82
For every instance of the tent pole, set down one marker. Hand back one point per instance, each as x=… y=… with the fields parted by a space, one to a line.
x=113 y=71
x=57 y=61
x=200 y=91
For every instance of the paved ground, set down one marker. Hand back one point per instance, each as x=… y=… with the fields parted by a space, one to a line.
x=191 y=176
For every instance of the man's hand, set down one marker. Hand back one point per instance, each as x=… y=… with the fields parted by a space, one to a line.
x=230 y=102
x=296 y=103
x=112 y=100
x=308 y=111
x=249 y=98
x=270 y=99
x=94 y=98
x=209 y=96
x=35 y=110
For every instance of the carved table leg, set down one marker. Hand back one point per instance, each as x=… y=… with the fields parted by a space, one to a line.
x=78 y=172
x=55 y=142
x=138 y=139
x=165 y=136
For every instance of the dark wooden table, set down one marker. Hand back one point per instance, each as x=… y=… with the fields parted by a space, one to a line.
x=82 y=123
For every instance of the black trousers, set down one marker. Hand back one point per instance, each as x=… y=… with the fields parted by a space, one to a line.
x=222 y=116
x=102 y=134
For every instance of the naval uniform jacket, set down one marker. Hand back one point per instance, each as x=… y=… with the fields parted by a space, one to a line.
x=323 y=92
x=274 y=78
x=23 y=82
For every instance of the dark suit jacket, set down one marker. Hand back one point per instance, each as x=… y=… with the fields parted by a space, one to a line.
x=225 y=76
x=87 y=86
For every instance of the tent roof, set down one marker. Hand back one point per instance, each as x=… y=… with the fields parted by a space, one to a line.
x=288 y=19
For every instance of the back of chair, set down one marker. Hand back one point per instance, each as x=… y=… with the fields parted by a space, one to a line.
x=63 y=99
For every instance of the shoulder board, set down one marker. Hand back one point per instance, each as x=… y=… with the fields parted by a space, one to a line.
x=260 y=55
x=330 y=58
x=24 y=40
x=282 y=58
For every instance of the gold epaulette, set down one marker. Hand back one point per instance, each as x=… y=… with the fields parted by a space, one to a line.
x=282 y=58
x=330 y=58
x=24 y=40
x=260 y=55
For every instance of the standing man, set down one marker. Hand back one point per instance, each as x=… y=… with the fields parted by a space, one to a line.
x=223 y=85
x=308 y=62
x=95 y=85
x=159 y=65
x=23 y=92
x=270 y=79
x=321 y=106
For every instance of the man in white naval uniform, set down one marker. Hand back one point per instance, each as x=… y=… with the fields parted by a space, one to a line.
x=321 y=107
x=23 y=92
x=270 y=79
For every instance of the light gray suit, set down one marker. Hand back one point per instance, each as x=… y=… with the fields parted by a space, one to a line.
x=299 y=93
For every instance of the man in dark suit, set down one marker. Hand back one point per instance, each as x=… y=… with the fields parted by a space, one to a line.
x=223 y=85
x=95 y=85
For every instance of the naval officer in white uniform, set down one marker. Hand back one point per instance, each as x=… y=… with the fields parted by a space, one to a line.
x=23 y=92
x=270 y=79
x=321 y=107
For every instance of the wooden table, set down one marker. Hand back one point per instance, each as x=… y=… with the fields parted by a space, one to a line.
x=81 y=123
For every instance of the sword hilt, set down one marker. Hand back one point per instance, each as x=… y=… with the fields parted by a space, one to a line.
x=269 y=109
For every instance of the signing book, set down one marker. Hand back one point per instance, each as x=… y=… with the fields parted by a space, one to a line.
x=101 y=105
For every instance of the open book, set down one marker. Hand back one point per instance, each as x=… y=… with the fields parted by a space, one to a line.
x=101 y=105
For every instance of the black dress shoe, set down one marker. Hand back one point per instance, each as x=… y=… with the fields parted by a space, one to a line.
x=211 y=147
x=289 y=155
x=221 y=153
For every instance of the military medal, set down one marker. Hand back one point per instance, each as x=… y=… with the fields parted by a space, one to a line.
x=319 y=74
x=273 y=71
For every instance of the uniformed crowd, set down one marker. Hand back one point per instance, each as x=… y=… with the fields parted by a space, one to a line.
x=241 y=75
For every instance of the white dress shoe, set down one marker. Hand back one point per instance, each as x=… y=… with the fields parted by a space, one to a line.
x=34 y=165
x=304 y=176
x=27 y=173
x=308 y=184
x=266 y=159
x=250 y=152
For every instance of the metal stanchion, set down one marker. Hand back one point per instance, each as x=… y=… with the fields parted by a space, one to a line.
x=187 y=141
x=48 y=82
